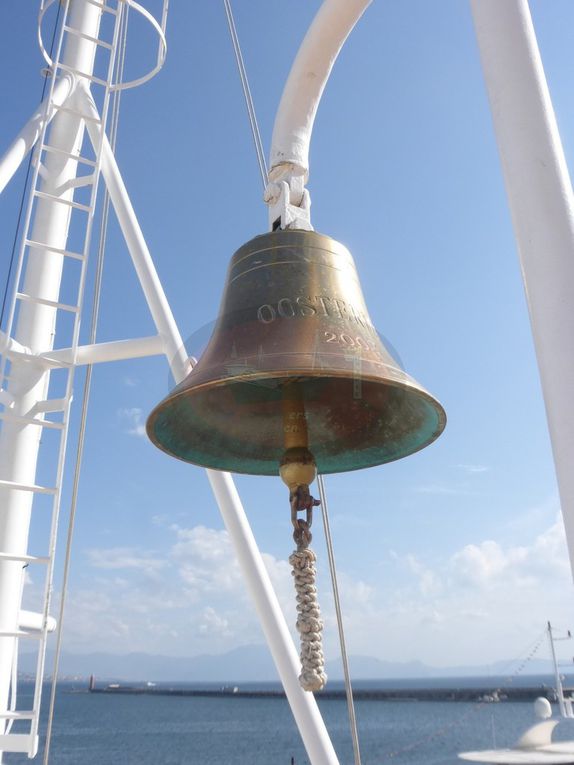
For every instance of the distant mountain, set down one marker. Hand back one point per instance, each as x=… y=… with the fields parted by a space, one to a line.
x=370 y=668
x=254 y=663
x=504 y=668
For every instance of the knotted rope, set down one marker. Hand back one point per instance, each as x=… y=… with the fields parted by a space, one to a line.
x=309 y=624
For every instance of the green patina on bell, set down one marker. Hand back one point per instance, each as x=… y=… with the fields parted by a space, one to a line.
x=293 y=327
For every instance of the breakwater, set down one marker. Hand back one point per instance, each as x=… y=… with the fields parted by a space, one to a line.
x=480 y=694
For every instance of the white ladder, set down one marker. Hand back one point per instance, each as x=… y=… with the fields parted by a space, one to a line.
x=53 y=412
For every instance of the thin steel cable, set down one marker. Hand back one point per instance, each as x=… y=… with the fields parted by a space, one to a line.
x=87 y=385
x=342 y=642
x=28 y=168
x=247 y=94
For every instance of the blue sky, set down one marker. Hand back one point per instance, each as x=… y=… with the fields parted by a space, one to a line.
x=453 y=555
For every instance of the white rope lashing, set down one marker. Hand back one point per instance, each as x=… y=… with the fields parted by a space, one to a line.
x=309 y=623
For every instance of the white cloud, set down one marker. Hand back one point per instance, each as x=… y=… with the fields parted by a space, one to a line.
x=134 y=419
x=194 y=599
x=491 y=564
x=474 y=605
x=479 y=564
x=125 y=558
x=205 y=560
x=455 y=487
x=213 y=624
x=438 y=488
x=206 y=563
x=479 y=604
x=429 y=583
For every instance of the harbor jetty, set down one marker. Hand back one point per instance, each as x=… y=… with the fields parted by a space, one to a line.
x=472 y=694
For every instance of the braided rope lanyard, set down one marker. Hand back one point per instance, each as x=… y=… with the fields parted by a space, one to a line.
x=309 y=623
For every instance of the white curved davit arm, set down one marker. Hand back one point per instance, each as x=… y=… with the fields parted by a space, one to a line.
x=289 y=157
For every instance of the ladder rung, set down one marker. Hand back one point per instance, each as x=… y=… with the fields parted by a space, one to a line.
x=57 y=250
x=33 y=634
x=83 y=116
x=51 y=405
x=105 y=8
x=78 y=73
x=62 y=153
x=24 y=558
x=43 y=301
x=27 y=487
x=68 y=202
x=8 y=417
x=17 y=715
x=25 y=743
x=84 y=36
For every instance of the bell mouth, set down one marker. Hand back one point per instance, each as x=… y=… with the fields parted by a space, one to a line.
x=294 y=343
x=236 y=424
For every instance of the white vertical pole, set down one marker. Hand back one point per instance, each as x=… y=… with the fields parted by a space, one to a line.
x=303 y=705
x=559 y=691
x=542 y=207
x=35 y=326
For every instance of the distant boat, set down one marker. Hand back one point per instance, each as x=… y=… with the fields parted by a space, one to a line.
x=491 y=698
x=534 y=747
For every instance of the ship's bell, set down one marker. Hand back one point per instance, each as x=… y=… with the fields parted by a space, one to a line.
x=294 y=360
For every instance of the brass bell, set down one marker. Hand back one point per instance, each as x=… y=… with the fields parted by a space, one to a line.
x=294 y=361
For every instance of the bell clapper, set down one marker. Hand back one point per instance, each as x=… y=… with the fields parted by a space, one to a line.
x=298 y=470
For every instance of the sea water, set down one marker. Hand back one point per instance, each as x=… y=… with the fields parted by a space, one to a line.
x=105 y=729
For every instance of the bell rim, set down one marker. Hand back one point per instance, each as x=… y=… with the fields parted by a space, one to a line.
x=405 y=385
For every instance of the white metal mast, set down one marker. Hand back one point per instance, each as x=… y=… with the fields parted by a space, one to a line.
x=34 y=329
